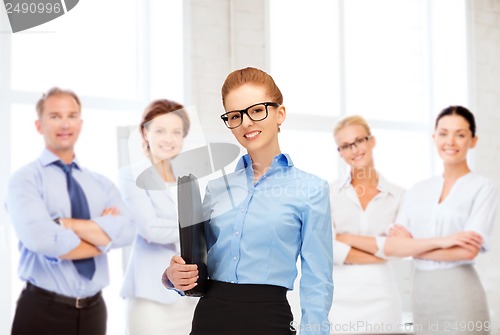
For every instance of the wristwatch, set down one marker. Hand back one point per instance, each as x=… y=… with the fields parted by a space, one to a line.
x=59 y=221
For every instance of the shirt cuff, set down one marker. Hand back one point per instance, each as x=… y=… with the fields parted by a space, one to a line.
x=380 y=240
x=169 y=285
x=109 y=225
x=340 y=252
x=66 y=240
x=105 y=248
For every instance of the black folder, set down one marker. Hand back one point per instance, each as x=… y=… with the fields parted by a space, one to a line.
x=192 y=230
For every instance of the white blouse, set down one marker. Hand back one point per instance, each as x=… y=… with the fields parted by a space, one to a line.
x=470 y=205
x=348 y=217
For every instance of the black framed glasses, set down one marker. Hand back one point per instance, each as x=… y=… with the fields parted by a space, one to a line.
x=357 y=143
x=257 y=112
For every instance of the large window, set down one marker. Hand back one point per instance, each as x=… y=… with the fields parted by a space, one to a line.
x=117 y=55
x=396 y=63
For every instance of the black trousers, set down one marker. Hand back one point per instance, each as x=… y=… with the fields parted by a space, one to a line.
x=243 y=309
x=41 y=314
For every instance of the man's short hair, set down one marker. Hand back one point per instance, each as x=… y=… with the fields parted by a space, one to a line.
x=54 y=91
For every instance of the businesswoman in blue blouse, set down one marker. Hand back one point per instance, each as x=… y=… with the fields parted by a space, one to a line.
x=262 y=218
x=151 y=309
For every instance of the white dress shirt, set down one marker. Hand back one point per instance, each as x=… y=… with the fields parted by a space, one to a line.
x=470 y=205
x=367 y=296
x=348 y=217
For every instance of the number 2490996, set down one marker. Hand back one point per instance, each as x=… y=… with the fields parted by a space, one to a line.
x=32 y=8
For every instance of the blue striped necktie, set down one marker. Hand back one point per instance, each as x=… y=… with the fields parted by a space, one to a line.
x=79 y=210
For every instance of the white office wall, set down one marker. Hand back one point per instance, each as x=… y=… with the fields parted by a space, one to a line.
x=484 y=85
x=222 y=35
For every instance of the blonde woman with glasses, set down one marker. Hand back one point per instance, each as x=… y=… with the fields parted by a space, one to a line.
x=364 y=204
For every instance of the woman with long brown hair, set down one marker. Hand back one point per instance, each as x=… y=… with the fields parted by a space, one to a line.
x=152 y=202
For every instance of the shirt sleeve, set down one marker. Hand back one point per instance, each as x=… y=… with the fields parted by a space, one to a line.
x=403 y=215
x=316 y=283
x=340 y=250
x=169 y=285
x=119 y=228
x=149 y=224
x=31 y=219
x=483 y=213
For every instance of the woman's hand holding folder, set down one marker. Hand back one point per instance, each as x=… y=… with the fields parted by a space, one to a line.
x=183 y=276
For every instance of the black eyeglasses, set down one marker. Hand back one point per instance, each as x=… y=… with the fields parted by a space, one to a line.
x=257 y=112
x=357 y=143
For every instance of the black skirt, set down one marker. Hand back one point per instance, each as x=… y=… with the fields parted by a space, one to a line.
x=243 y=309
